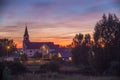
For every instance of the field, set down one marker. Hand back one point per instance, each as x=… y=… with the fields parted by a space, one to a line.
x=56 y=76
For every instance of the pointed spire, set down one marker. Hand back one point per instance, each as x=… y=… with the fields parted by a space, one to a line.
x=26 y=31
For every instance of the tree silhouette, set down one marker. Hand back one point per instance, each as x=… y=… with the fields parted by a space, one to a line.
x=80 y=50
x=107 y=39
x=77 y=40
x=87 y=40
x=7 y=46
x=107 y=30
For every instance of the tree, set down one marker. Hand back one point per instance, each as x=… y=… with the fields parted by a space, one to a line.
x=7 y=47
x=77 y=40
x=107 y=30
x=80 y=49
x=107 y=42
x=87 y=40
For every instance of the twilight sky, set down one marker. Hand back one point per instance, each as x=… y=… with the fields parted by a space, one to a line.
x=52 y=20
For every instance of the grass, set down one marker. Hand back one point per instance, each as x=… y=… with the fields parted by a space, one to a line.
x=56 y=76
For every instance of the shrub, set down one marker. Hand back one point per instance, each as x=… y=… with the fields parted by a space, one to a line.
x=6 y=74
x=49 y=67
x=2 y=65
x=17 y=68
x=114 y=69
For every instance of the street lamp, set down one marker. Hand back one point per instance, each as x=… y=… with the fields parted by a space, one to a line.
x=7 y=47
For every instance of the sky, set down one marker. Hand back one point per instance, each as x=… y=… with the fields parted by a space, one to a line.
x=52 y=20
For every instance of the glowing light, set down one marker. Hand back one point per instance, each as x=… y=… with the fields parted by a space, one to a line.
x=70 y=58
x=102 y=45
x=8 y=47
x=59 y=55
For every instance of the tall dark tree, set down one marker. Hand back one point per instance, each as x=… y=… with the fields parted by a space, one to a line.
x=107 y=39
x=107 y=30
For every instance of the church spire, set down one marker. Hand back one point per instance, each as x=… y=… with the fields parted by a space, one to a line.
x=26 y=35
x=26 y=32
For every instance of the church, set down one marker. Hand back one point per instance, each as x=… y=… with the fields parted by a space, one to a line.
x=31 y=48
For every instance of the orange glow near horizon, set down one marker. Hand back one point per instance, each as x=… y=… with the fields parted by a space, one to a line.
x=57 y=42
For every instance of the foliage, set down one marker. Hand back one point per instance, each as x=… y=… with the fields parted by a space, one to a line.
x=6 y=74
x=49 y=67
x=14 y=67
x=87 y=38
x=23 y=57
x=77 y=40
x=81 y=49
x=2 y=66
x=107 y=42
x=7 y=46
x=107 y=30
x=37 y=55
x=114 y=69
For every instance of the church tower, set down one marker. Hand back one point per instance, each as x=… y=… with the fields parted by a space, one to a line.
x=26 y=35
x=25 y=38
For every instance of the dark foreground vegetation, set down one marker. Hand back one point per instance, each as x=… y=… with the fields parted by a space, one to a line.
x=49 y=71
x=99 y=58
x=101 y=55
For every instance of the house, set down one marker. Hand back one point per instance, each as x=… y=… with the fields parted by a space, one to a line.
x=65 y=54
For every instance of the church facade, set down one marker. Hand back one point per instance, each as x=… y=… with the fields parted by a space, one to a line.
x=31 y=48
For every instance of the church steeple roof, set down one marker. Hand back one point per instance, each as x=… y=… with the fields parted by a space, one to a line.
x=26 y=32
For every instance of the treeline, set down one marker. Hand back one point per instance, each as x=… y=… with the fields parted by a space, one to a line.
x=102 y=53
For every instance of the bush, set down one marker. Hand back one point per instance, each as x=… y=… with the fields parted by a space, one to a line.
x=17 y=68
x=49 y=67
x=6 y=74
x=2 y=66
x=114 y=69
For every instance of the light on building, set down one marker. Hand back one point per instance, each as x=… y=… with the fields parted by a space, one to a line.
x=102 y=45
x=70 y=58
x=59 y=55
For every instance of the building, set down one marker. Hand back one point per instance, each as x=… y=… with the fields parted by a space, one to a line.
x=47 y=49
x=31 y=48
x=65 y=54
